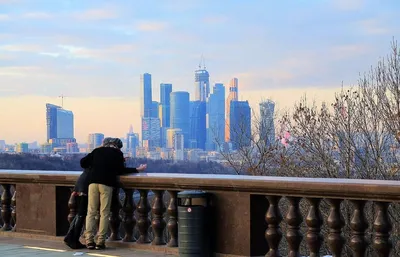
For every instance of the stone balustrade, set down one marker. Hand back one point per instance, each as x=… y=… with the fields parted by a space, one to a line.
x=253 y=216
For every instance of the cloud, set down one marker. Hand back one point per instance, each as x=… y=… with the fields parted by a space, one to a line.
x=151 y=26
x=37 y=15
x=4 y=17
x=348 y=51
x=348 y=5
x=19 y=71
x=22 y=48
x=215 y=19
x=97 y=14
x=98 y=53
x=373 y=27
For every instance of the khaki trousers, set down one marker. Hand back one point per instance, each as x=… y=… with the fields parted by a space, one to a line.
x=99 y=198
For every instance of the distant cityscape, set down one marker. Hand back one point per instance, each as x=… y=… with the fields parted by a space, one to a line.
x=172 y=128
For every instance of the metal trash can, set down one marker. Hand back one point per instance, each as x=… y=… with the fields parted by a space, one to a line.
x=193 y=224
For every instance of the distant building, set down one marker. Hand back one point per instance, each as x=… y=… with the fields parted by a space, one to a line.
x=179 y=147
x=232 y=96
x=164 y=112
x=146 y=95
x=94 y=140
x=171 y=136
x=46 y=148
x=151 y=131
x=22 y=148
x=215 y=120
x=132 y=142
x=180 y=113
x=61 y=142
x=267 y=127
x=60 y=122
x=72 y=148
x=154 y=109
x=240 y=124
x=2 y=145
x=198 y=132
x=201 y=84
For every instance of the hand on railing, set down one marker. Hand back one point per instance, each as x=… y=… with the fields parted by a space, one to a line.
x=141 y=167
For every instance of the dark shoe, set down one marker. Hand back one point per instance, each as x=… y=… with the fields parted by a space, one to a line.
x=100 y=247
x=91 y=246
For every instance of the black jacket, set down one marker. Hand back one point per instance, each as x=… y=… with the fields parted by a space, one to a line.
x=82 y=184
x=106 y=165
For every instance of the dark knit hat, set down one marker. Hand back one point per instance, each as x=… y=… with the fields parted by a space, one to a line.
x=108 y=141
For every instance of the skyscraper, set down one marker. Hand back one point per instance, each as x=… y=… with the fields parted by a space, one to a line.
x=267 y=128
x=132 y=141
x=164 y=111
x=94 y=140
x=201 y=84
x=154 y=109
x=60 y=122
x=240 y=124
x=151 y=131
x=215 y=123
x=232 y=96
x=180 y=113
x=165 y=103
x=197 y=135
x=145 y=95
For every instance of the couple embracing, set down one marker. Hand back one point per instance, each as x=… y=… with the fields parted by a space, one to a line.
x=94 y=189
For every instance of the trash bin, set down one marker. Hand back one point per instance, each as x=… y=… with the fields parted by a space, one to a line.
x=193 y=224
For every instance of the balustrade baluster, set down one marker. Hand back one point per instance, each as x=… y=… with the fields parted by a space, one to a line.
x=115 y=218
x=358 y=226
x=158 y=223
x=382 y=228
x=294 y=220
x=314 y=222
x=143 y=223
x=273 y=233
x=6 y=207
x=129 y=219
x=72 y=207
x=335 y=224
x=173 y=219
x=14 y=209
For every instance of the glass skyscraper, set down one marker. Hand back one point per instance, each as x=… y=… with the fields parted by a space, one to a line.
x=164 y=111
x=240 y=124
x=145 y=95
x=201 y=84
x=197 y=135
x=180 y=113
x=215 y=123
x=267 y=128
x=232 y=96
x=94 y=140
x=60 y=122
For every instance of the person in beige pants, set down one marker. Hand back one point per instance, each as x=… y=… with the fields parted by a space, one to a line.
x=106 y=164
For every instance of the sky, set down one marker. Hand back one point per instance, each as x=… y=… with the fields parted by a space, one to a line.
x=94 y=51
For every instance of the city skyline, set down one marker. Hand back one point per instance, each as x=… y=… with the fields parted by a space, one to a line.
x=94 y=53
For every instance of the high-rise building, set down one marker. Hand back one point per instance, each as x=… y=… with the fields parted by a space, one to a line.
x=165 y=103
x=267 y=128
x=232 y=96
x=65 y=124
x=22 y=148
x=151 y=131
x=60 y=122
x=132 y=142
x=171 y=136
x=180 y=113
x=240 y=124
x=146 y=95
x=164 y=111
x=72 y=148
x=2 y=145
x=179 y=139
x=154 y=109
x=197 y=135
x=201 y=84
x=215 y=122
x=94 y=140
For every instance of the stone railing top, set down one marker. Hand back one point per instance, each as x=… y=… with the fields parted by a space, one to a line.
x=382 y=190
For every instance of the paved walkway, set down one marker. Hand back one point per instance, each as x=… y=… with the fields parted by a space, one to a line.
x=29 y=247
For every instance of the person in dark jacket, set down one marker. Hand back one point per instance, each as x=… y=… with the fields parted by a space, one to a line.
x=107 y=163
x=76 y=226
